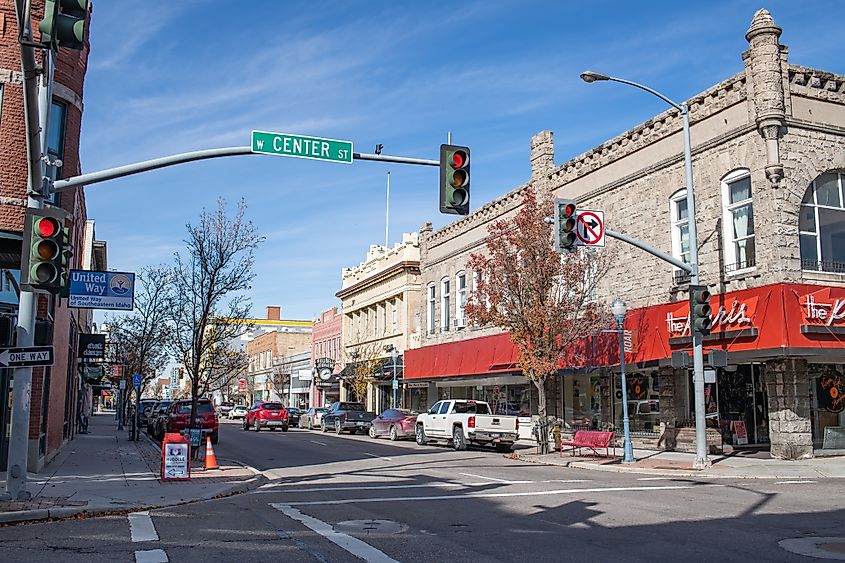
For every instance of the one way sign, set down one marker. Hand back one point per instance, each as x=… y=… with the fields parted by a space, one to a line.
x=30 y=356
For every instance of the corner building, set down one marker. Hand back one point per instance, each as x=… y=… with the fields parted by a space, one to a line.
x=768 y=149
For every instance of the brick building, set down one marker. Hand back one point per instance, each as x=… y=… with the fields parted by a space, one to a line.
x=380 y=299
x=327 y=354
x=769 y=171
x=54 y=389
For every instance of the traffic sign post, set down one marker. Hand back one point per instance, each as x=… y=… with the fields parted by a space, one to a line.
x=27 y=356
x=300 y=146
x=590 y=228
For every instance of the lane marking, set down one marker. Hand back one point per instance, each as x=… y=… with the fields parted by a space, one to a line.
x=495 y=479
x=353 y=545
x=151 y=556
x=374 y=488
x=141 y=527
x=317 y=442
x=378 y=456
x=794 y=482
x=500 y=495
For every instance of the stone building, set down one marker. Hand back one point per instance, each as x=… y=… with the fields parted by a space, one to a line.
x=769 y=174
x=380 y=299
x=54 y=398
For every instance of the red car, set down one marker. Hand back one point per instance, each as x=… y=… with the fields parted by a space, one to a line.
x=396 y=423
x=266 y=415
x=179 y=416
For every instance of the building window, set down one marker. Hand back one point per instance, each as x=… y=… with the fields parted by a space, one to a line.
x=366 y=323
x=460 y=305
x=56 y=142
x=680 y=226
x=445 y=304
x=395 y=315
x=432 y=319
x=375 y=320
x=738 y=220
x=822 y=224
x=384 y=319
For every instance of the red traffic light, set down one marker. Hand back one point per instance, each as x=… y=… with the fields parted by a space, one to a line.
x=569 y=210
x=459 y=159
x=47 y=227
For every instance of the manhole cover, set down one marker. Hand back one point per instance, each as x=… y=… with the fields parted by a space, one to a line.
x=820 y=547
x=370 y=527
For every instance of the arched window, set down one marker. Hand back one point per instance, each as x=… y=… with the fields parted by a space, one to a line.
x=445 y=304
x=431 y=316
x=461 y=302
x=822 y=224
x=738 y=209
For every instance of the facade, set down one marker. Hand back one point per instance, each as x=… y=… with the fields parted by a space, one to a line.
x=54 y=399
x=297 y=375
x=327 y=354
x=380 y=299
x=768 y=161
x=269 y=354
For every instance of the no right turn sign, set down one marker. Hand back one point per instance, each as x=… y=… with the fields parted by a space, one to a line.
x=590 y=228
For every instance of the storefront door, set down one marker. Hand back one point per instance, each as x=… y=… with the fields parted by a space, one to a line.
x=743 y=412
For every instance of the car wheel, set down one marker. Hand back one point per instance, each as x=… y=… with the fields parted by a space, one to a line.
x=255 y=426
x=323 y=427
x=458 y=439
x=421 y=435
x=310 y=425
x=372 y=432
x=338 y=429
x=243 y=425
x=393 y=435
x=284 y=428
x=214 y=437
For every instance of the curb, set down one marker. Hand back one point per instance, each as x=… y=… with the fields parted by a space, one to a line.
x=660 y=472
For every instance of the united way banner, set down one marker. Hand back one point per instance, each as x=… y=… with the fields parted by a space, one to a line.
x=102 y=290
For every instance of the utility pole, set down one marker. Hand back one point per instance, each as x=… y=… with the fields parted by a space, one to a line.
x=35 y=139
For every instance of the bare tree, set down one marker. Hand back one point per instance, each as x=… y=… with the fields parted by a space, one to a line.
x=546 y=301
x=210 y=281
x=363 y=361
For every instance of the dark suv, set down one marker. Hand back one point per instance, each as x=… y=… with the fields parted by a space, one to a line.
x=179 y=416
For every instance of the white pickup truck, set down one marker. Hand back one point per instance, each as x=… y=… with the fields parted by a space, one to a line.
x=466 y=422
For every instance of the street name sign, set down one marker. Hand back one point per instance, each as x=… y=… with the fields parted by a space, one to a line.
x=301 y=146
x=102 y=290
x=589 y=228
x=29 y=356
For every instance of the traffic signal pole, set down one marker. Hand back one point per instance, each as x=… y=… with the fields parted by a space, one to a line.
x=35 y=139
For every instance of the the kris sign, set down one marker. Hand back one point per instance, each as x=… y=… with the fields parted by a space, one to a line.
x=101 y=290
x=300 y=146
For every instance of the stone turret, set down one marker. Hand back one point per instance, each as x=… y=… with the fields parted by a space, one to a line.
x=765 y=67
x=542 y=156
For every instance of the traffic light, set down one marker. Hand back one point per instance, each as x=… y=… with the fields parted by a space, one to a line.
x=566 y=212
x=64 y=23
x=64 y=272
x=43 y=246
x=454 y=179
x=700 y=310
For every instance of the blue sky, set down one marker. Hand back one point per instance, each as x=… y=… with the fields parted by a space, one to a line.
x=203 y=74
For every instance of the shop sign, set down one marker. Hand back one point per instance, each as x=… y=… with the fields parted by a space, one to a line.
x=827 y=311
x=417 y=385
x=737 y=315
x=830 y=392
x=92 y=347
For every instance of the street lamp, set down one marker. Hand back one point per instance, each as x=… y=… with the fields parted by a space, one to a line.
x=618 y=308
x=701 y=460
x=394 y=354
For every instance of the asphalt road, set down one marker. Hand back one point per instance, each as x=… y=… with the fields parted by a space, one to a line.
x=352 y=498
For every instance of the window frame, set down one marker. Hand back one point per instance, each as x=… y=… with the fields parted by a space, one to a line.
x=445 y=303
x=431 y=301
x=676 y=224
x=460 y=298
x=728 y=208
x=815 y=206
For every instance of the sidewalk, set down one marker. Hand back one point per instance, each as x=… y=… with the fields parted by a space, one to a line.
x=735 y=465
x=103 y=472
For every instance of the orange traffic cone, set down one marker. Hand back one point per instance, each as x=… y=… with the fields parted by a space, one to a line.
x=210 y=458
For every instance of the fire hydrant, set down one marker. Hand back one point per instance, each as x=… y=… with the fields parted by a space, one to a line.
x=557 y=435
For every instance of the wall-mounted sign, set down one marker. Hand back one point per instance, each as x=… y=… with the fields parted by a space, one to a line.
x=101 y=290
x=734 y=315
x=92 y=347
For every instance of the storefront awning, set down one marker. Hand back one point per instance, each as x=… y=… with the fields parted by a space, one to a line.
x=487 y=354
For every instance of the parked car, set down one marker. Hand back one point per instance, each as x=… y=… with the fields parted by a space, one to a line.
x=179 y=417
x=144 y=411
x=464 y=422
x=294 y=415
x=312 y=417
x=347 y=416
x=395 y=423
x=238 y=411
x=224 y=408
x=266 y=415
x=157 y=420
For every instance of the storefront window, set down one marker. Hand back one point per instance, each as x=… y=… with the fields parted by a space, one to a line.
x=829 y=411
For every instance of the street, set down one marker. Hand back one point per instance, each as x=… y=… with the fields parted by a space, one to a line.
x=351 y=498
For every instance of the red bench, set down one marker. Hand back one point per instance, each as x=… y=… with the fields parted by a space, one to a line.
x=592 y=439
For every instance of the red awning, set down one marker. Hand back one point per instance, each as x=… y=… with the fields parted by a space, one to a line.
x=473 y=356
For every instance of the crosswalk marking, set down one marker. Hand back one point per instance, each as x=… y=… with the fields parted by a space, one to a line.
x=141 y=527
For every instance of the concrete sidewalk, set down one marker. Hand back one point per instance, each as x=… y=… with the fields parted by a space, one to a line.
x=103 y=472
x=735 y=465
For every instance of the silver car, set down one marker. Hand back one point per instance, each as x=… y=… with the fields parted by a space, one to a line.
x=311 y=418
x=238 y=411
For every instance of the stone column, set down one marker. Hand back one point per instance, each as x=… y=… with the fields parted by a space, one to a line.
x=668 y=416
x=542 y=157
x=788 y=390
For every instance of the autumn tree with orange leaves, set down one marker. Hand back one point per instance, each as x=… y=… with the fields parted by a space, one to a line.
x=544 y=299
